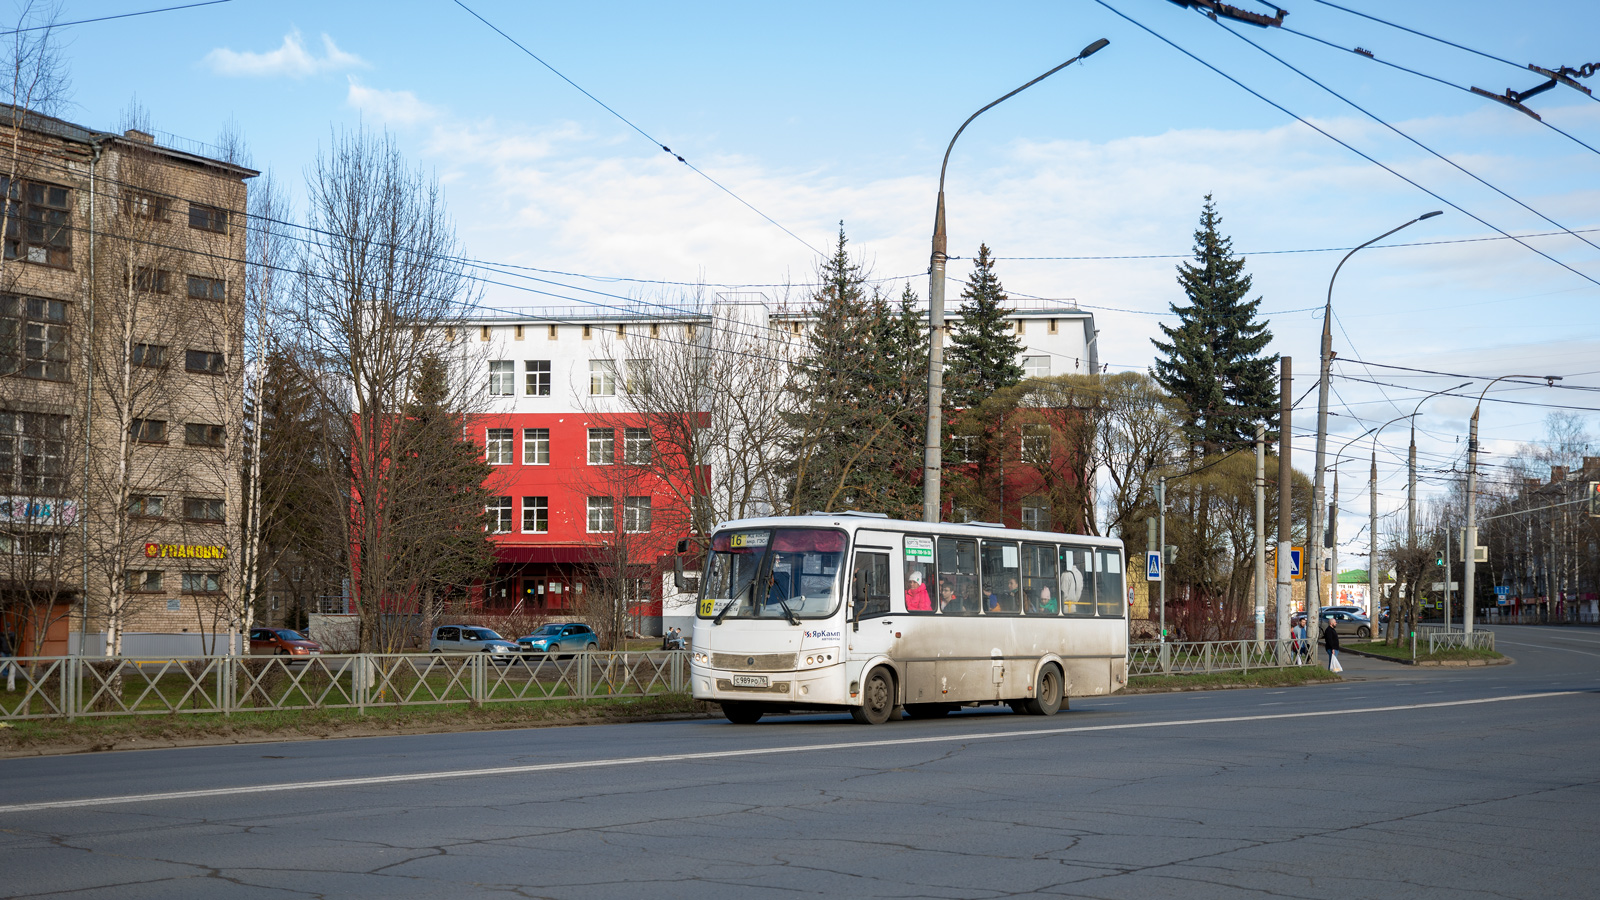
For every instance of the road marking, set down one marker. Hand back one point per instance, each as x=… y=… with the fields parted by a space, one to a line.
x=1548 y=647
x=720 y=755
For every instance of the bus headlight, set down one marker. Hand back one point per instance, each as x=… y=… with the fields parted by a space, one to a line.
x=700 y=657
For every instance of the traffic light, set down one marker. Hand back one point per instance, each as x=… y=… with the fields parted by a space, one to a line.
x=1439 y=559
x=1594 y=498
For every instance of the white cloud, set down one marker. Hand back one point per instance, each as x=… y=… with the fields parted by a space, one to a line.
x=398 y=107
x=291 y=59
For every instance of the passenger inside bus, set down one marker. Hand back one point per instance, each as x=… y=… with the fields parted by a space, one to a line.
x=917 y=599
x=1045 y=605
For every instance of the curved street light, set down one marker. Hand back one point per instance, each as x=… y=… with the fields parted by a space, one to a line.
x=1469 y=552
x=1333 y=512
x=1314 y=527
x=931 y=463
x=1411 y=502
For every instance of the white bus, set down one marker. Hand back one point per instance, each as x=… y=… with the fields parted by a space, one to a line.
x=858 y=612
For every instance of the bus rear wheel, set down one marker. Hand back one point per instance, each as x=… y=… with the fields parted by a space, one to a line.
x=1047 y=693
x=741 y=713
x=877 y=698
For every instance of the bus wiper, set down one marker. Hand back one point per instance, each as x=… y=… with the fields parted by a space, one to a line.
x=717 y=619
x=787 y=612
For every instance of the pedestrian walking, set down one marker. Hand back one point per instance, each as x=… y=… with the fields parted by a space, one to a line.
x=1297 y=641
x=1330 y=639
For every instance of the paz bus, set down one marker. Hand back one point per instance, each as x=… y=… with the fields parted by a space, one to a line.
x=861 y=613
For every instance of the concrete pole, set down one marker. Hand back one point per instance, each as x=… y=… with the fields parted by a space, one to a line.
x=1261 y=532
x=1285 y=487
x=1314 y=526
x=1333 y=541
x=1161 y=504
x=932 y=464
x=1313 y=567
x=1372 y=545
x=1469 y=548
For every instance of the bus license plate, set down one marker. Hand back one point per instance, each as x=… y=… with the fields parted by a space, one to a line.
x=750 y=681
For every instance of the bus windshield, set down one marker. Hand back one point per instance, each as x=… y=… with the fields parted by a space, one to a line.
x=756 y=573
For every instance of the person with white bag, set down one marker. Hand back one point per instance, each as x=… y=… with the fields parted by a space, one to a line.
x=1330 y=639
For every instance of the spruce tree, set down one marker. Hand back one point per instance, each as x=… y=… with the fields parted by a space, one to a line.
x=1213 y=359
x=983 y=345
x=838 y=391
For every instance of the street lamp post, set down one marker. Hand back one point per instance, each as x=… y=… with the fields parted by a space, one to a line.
x=1469 y=552
x=1333 y=520
x=1314 y=526
x=1411 y=501
x=931 y=463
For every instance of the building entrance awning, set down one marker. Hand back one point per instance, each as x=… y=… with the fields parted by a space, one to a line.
x=515 y=554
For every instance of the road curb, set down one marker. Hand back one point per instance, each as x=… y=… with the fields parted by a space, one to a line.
x=1434 y=663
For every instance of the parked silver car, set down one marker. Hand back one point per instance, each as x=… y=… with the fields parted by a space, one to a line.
x=470 y=639
x=1348 y=624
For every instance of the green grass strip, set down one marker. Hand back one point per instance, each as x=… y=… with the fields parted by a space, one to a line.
x=1403 y=651
x=1289 y=677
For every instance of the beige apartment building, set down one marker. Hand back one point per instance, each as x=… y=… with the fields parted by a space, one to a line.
x=122 y=297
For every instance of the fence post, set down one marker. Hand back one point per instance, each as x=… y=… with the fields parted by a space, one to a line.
x=479 y=677
x=1205 y=655
x=585 y=676
x=69 y=686
x=358 y=670
x=1244 y=656
x=1166 y=658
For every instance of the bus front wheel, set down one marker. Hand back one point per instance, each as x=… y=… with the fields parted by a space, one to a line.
x=741 y=713
x=1048 y=695
x=877 y=698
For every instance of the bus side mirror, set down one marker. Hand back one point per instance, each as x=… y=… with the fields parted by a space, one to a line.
x=679 y=580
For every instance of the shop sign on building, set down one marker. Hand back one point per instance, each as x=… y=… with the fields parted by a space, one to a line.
x=38 y=511
x=185 y=551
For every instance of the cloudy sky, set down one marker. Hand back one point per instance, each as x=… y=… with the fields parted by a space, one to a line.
x=1087 y=186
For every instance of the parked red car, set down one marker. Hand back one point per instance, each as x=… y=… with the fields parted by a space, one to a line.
x=281 y=642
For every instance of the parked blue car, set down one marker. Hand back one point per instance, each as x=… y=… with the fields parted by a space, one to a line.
x=562 y=637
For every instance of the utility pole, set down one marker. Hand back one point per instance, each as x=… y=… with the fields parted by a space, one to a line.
x=1314 y=525
x=1261 y=532
x=1331 y=538
x=1285 y=487
x=1372 y=547
x=932 y=463
x=1161 y=503
x=1470 y=552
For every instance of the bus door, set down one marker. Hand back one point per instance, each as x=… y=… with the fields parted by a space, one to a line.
x=872 y=585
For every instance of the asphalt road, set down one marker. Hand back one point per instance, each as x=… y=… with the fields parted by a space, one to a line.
x=1398 y=783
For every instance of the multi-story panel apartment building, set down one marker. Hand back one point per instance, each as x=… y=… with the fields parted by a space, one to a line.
x=570 y=484
x=121 y=298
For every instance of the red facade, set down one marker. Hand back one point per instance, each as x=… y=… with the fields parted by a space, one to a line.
x=554 y=545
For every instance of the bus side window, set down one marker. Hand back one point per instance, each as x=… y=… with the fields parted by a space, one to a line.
x=921 y=588
x=1077 y=581
x=1001 y=579
x=958 y=576
x=870 y=588
x=1039 y=590
x=1108 y=580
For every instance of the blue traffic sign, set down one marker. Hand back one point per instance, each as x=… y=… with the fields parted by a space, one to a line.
x=1502 y=590
x=1152 y=565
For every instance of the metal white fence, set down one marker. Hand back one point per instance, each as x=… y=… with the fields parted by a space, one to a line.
x=71 y=686
x=1453 y=638
x=1203 y=657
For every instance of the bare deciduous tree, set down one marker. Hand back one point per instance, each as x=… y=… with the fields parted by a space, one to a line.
x=382 y=289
